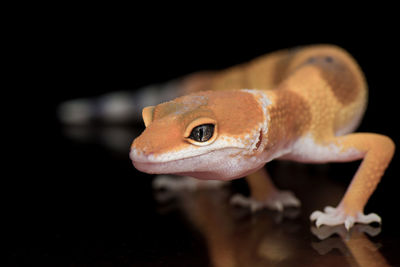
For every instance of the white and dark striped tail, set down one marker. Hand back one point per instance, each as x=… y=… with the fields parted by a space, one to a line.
x=118 y=107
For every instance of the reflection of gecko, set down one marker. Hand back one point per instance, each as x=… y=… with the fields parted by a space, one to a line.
x=304 y=106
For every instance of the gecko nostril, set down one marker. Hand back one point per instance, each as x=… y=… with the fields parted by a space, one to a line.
x=329 y=59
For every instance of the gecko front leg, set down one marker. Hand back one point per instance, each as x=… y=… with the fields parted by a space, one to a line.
x=264 y=194
x=376 y=151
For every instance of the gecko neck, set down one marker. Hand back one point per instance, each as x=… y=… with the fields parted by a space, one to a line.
x=288 y=118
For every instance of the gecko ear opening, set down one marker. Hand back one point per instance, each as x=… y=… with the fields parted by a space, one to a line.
x=147 y=114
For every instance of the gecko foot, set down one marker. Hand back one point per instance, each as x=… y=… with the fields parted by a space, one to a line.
x=276 y=201
x=336 y=216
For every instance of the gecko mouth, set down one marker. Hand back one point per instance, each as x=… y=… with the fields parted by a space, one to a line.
x=144 y=164
x=143 y=160
x=137 y=156
x=208 y=160
x=226 y=164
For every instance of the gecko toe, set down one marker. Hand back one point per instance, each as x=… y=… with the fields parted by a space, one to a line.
x=329 y=209
x=370 y=218
x=315 y=215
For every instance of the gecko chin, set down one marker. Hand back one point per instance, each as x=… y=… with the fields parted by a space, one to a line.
x=226 y=164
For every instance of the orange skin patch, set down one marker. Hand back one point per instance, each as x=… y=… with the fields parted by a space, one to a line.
x=289 y=118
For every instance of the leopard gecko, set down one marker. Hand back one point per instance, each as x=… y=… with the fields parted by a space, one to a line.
x=299 y=104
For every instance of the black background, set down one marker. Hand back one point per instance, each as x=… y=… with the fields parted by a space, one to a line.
x=73 y=202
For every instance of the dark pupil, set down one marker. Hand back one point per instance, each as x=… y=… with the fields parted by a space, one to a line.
x=202 y=133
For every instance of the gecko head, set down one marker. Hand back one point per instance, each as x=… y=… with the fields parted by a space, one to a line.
x=207 y=135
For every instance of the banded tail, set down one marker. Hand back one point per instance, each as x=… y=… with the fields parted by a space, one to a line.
x=126 y=106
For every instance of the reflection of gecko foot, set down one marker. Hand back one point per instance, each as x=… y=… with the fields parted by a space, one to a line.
x=337 y=216
x=168 y=188
x=324 y=232
x=325 y=246
x=329 y=241
x=276 y=201
x=185 y=183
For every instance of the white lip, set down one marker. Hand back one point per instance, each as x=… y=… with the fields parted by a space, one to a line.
x=139 y=157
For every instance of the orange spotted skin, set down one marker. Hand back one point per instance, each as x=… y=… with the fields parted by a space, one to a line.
x=317 y=97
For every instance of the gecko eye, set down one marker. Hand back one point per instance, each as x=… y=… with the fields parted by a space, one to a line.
x=202 y=133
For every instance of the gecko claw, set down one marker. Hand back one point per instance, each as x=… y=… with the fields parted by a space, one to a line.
x=349 y=222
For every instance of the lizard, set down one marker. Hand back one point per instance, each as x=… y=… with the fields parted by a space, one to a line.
x=301 y=104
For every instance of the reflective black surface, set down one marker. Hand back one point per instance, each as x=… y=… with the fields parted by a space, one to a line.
x=96 y=209
x=73 y=198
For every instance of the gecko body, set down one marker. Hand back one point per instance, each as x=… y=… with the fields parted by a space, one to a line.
x=301 y=104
